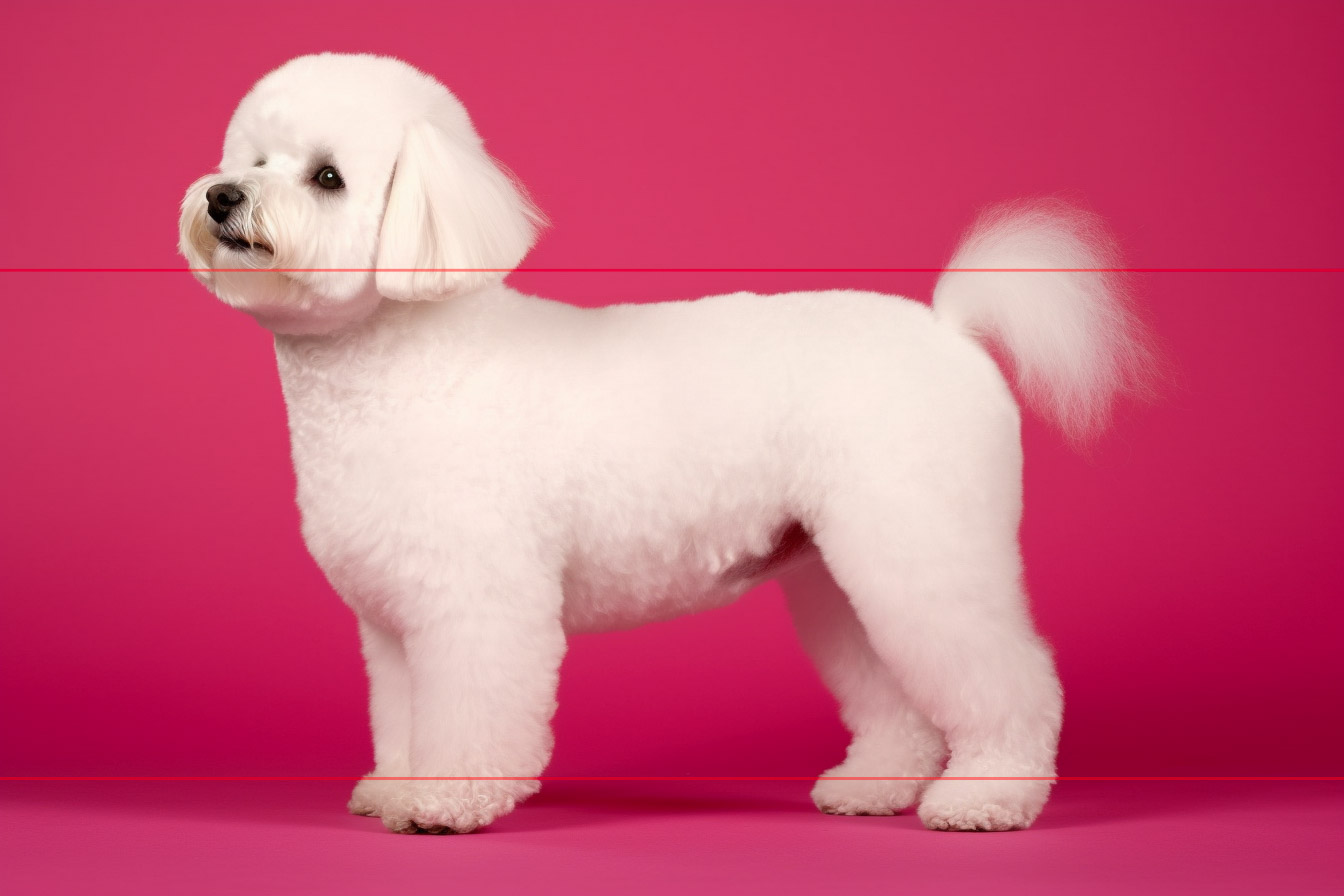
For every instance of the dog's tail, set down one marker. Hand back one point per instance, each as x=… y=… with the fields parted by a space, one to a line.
x=1040 y=279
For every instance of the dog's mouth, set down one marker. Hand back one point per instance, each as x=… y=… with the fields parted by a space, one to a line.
x=242 y=244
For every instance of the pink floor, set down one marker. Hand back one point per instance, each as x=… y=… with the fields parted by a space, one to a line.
x=580 y=837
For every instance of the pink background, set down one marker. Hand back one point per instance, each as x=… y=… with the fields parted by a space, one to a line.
x=161 y=617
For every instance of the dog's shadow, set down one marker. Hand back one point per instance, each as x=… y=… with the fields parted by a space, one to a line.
x=321 y=804
x=564 y=804
x=573 y=804
x=1074 y=806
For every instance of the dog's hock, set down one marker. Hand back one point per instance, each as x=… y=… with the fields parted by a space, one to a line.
x=455 y=220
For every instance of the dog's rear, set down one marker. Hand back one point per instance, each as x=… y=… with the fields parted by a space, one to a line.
x=1041 y=280
x=919 y=621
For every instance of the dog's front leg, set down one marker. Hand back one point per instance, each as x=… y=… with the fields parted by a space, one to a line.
x=483 y=677
x=389 y=717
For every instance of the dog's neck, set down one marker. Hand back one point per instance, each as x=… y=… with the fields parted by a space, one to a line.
x=385 y=347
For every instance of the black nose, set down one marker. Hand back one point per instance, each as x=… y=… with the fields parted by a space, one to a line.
x=222 y=199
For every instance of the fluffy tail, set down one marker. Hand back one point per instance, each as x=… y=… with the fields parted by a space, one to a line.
x=1063 y=322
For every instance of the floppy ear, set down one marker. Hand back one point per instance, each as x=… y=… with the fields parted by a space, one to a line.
x=455 y=220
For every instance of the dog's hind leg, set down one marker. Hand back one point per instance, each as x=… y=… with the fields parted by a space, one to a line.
x=932 y=568
x=894 y=746
x=892 y=740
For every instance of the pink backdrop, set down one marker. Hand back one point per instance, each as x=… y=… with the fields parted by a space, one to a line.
x=160 y=615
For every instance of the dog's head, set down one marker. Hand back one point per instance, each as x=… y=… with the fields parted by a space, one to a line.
x=346 y=179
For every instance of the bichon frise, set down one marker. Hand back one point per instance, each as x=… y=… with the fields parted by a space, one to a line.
x=481 y=472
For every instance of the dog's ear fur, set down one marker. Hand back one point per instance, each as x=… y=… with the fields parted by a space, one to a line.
x=455 y=220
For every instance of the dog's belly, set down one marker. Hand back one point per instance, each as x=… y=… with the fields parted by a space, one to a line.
x=644 y=582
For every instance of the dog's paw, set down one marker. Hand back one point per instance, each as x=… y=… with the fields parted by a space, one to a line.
x=952 y=805
x=880 y=775
x=452 y=806
x=370 y=794
x=864 y=797
x=836 y=796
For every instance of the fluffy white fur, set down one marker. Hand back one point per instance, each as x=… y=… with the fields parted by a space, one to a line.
x=481 y=472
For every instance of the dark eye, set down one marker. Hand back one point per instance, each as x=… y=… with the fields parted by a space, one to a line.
x=328 y=178
x=259 y=163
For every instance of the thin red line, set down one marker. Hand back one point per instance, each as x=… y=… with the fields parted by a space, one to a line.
x=677 y=270
x=700 y=778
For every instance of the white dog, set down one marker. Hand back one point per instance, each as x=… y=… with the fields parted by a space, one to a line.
x=480 y=471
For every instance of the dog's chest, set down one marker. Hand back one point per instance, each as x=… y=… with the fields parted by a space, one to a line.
x=411 y=498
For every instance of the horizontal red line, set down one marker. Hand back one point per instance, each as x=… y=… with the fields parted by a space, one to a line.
x=676 y=270
x=184 y=778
